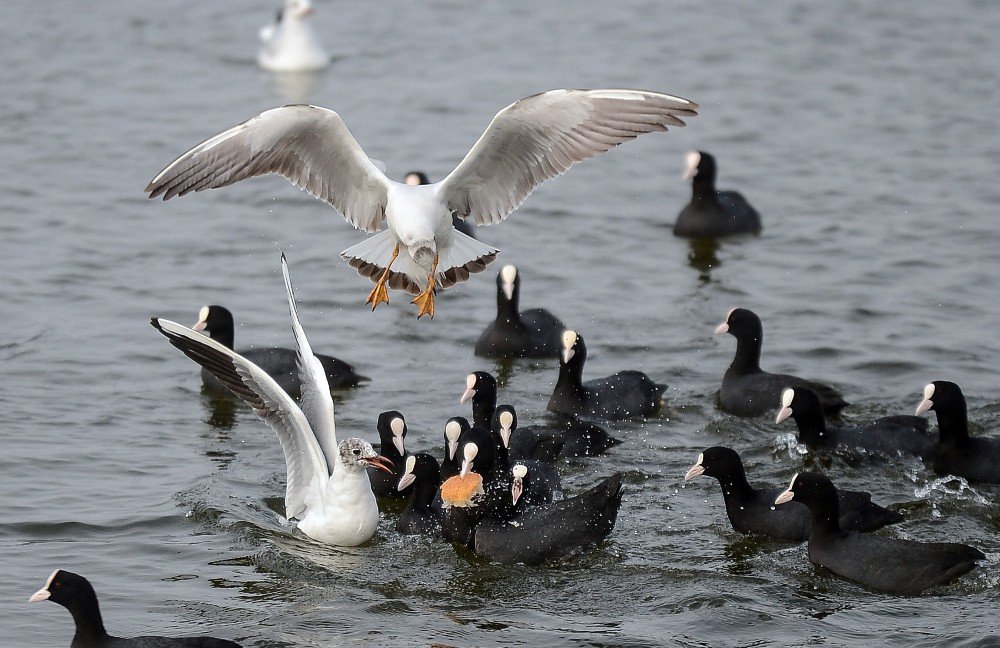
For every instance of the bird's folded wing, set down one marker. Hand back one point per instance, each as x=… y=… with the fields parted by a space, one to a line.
x=317 y=404
x=542 y=136
x=304 y=458
x=308 y=145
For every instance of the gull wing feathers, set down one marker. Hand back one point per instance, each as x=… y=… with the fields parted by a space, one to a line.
x=304 y=460
x=308 y=145
x=542 y=136
x=317 y=403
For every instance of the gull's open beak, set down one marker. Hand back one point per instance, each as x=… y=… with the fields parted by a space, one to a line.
x=380 y=462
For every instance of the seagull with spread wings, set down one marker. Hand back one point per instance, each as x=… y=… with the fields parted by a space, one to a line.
x=528 y=142
x=327 y=485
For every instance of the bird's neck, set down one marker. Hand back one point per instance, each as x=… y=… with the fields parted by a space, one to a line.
x=703 y=188
x=89 y=624
x=953 y=424
x=812 y=427
x=484 y=403
x=747 y=358
x=735 y=486
x=507 y=309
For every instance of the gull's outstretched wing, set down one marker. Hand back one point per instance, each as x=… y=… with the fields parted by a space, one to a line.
x=542 y=136
x=304 y=460
x=308 y=145
x=317 y=404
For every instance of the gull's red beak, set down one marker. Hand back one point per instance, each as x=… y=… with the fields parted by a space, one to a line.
x=380 y=462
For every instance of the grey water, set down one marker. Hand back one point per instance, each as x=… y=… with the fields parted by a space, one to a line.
x=864 y=133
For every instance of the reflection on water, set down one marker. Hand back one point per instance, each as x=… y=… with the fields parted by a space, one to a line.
x=221 y=409
x=702 y=256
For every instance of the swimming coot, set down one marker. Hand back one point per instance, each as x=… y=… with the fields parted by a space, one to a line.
x=534 y=333
x=710 y=212
x=974 y=458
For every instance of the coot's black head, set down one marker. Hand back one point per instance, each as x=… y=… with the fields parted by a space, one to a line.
x=416 y=178
x=719 y=462
x=742 y=323
x=477 y=452
x=479 y=385
x=215 y=321
x=508 y=286
x=504 y=423
x=67 y=589
x=814 y=490
x=453 y=431
x=803 y=405
x=574 y=350
x=420 y=468
x=519 y=482
x=392 y=431
x=941 y=395
x=700 y=166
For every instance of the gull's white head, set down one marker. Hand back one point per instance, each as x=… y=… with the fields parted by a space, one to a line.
x=569 y=341
x=507 y=277
x=691 y=161
x=297 y=9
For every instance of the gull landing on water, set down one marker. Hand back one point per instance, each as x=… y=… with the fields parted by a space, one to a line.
x=528 y=142
x=327 y=486
x=290 y=44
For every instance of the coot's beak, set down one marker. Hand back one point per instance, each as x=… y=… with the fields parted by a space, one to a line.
x=405 y=481
x=199 y=326
x=722 y=328
x=516 y=489
x=927 y=404
x=786 y=496
x=467 y=394
x=398 y=442
x=380 y=462
x=696 y=470
x=786 y=405
x=41 y=595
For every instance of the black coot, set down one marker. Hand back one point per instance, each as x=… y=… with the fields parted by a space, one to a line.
x=391 y=433
x=566 y=439
x=710 y=212
x=888 y=435
x=881 y=563
x=626 y=394
x=752 y=510
x=217 y=322
x=75 y=593
x=975 y=458
x=534 y=333
x=422 y=477
x=538 y=533
x=420 y=178
x=748 y=390
x=477 y=453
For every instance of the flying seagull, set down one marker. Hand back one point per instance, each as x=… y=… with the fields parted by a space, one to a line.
x=528 y=142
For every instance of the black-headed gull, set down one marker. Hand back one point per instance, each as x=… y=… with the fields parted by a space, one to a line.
x=528 y=142
x=290 y=44
x=327 y=488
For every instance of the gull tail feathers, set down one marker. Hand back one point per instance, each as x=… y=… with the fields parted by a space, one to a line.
x=466 y=256
x=372 y=255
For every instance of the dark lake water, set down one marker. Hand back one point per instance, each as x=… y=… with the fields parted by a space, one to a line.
x=864 y=133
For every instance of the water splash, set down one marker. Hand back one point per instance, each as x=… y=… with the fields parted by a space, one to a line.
x=790 y=442
x=944 y=489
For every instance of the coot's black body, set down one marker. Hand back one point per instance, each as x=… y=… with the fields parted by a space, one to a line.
x=458 y=524
x=713 y=213
x=76 y=594
x=752 y=510
x=889 y=435
x=533 y=333
x=281 y=364
x=879 y=562
x=420 y=515
x=539 y=533
x=974 y=458
x=626 y=394
x=748 y=390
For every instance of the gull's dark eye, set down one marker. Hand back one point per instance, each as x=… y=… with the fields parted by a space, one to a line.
x=357 y=452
